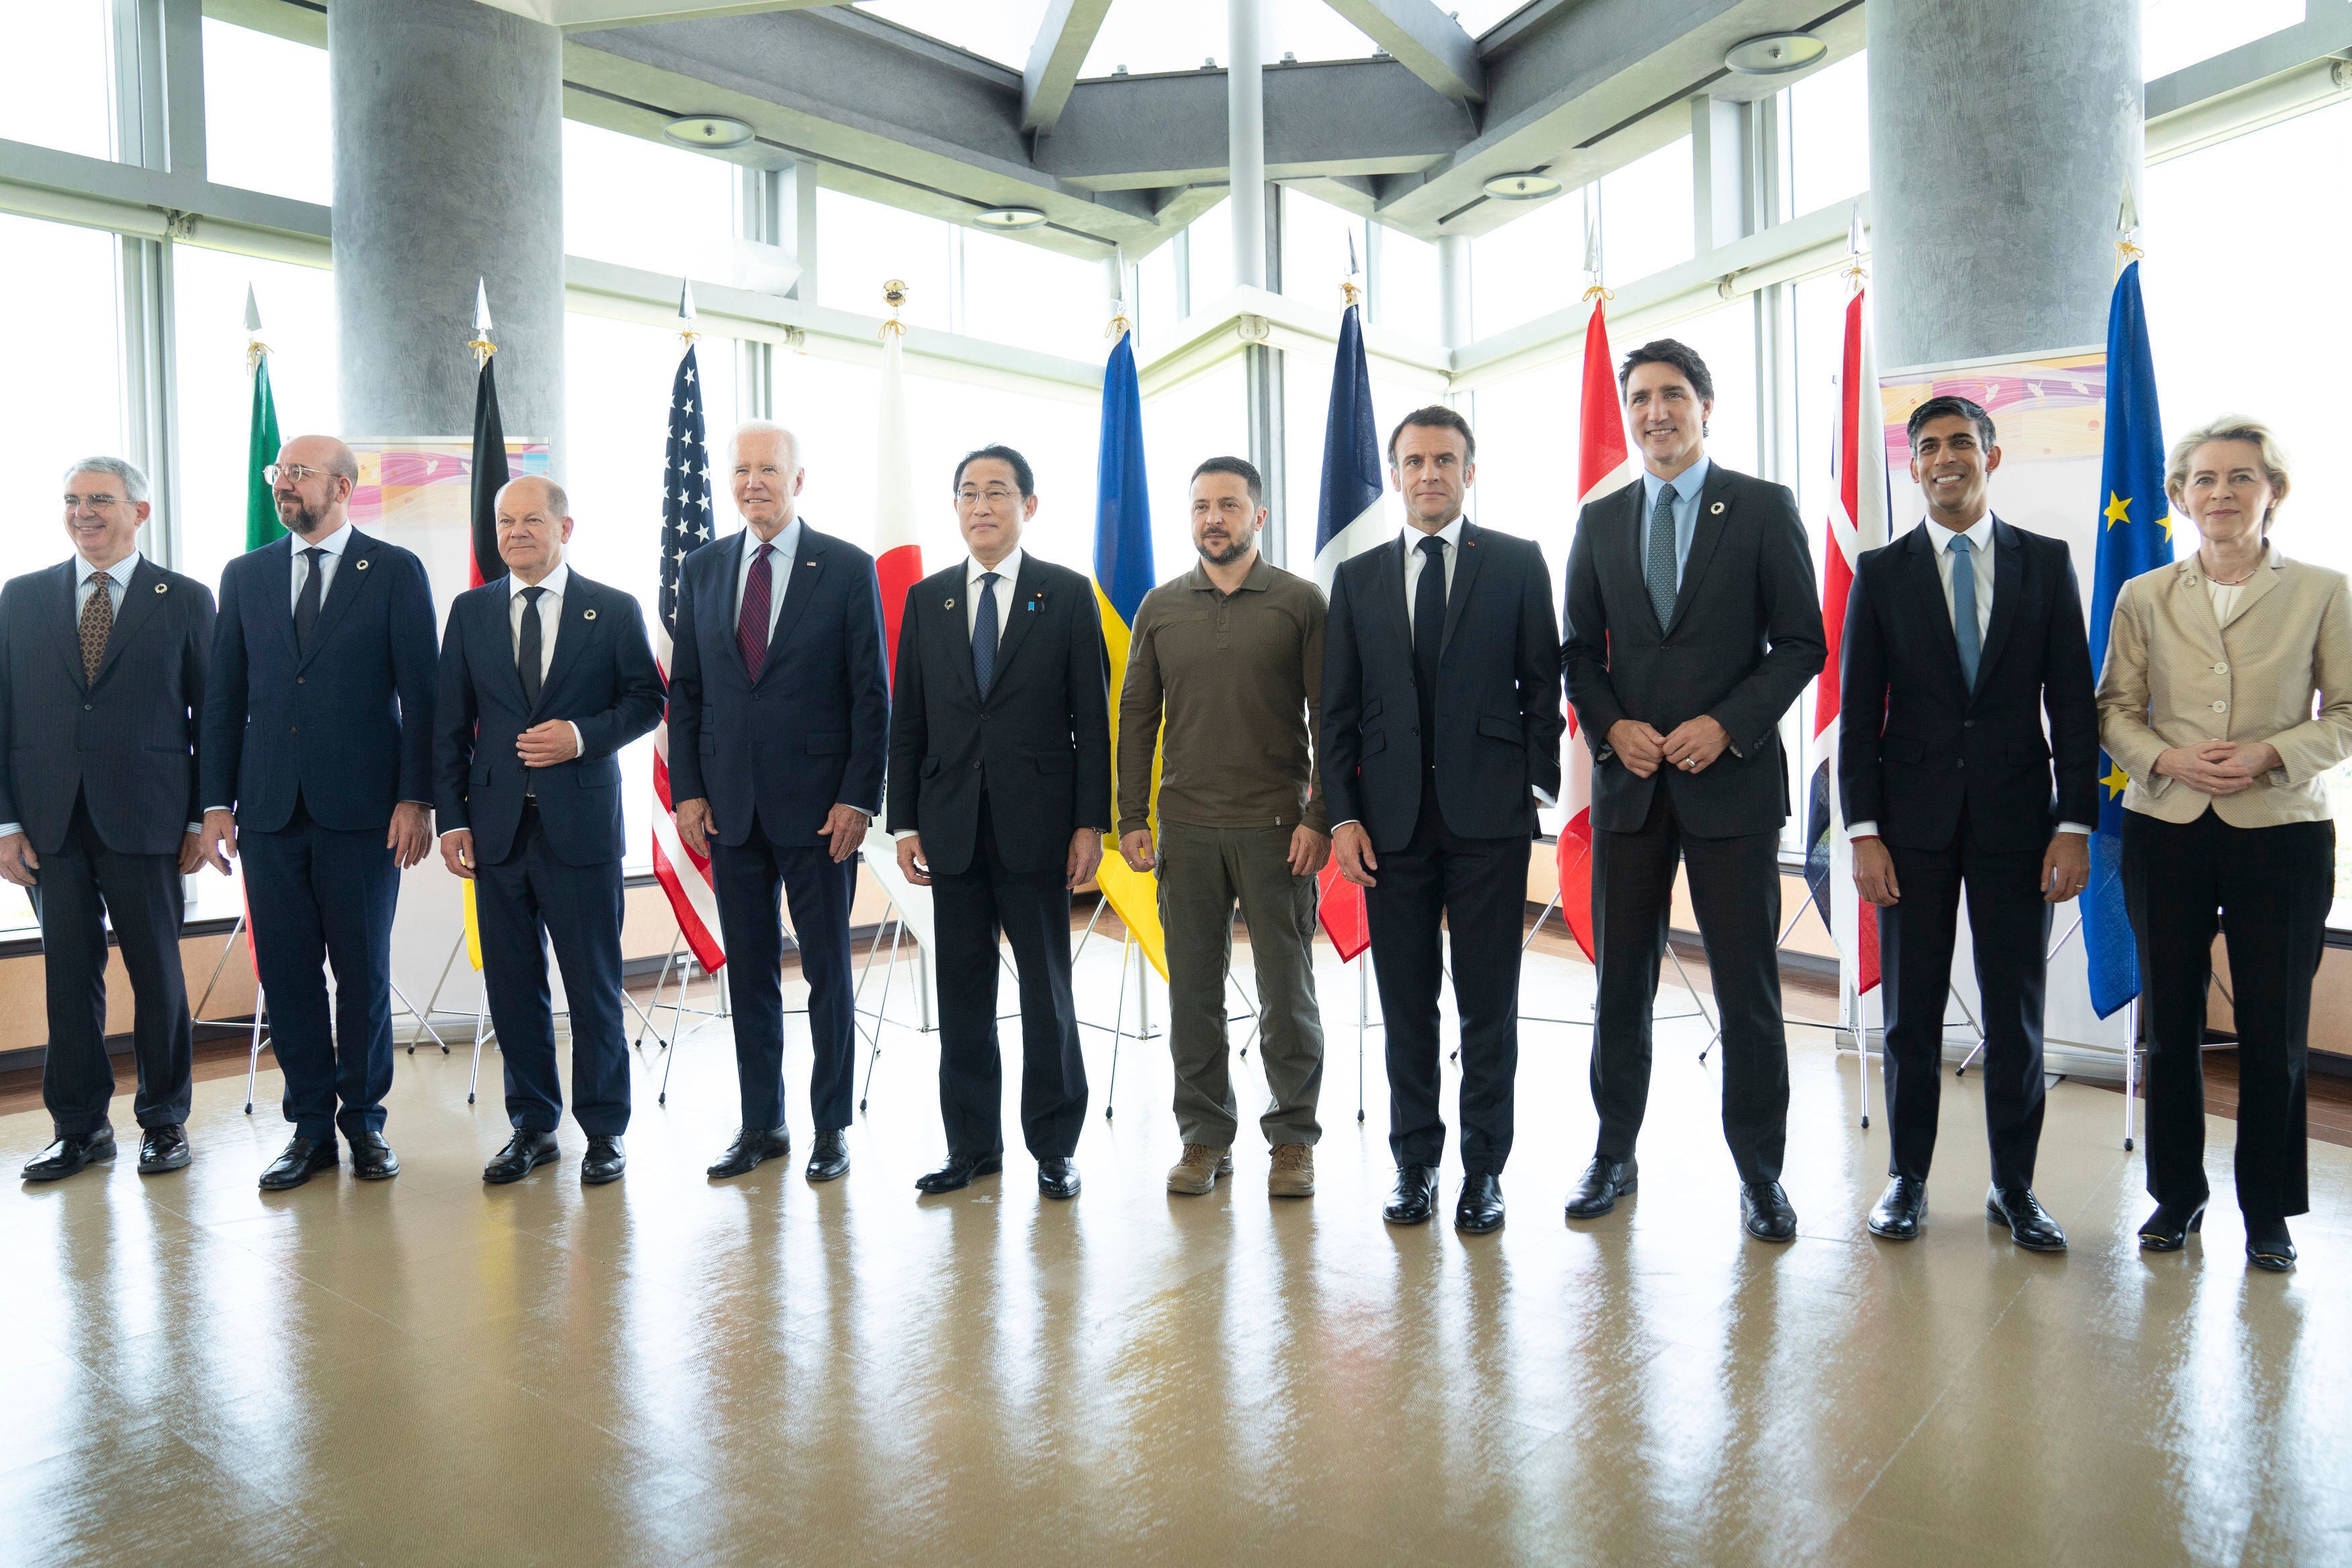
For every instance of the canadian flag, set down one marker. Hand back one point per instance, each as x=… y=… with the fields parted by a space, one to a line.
x=1603 y=467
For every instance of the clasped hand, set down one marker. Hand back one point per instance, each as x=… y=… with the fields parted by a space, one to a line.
x=2218 y=767
x=1692 y=748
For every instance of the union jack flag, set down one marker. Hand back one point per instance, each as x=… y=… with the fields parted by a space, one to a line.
x=687 y=525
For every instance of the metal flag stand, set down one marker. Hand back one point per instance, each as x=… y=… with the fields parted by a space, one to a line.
x=2131 y=1038
x=253 y=1060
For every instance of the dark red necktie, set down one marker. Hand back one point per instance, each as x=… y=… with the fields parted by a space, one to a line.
x=751 y=625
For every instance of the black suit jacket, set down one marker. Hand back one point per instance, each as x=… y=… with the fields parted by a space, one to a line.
x=1039 y=747
x=814 y=728
x=126 y=742
x=1941 y=746
x=1498 y=716
x=602 y=679
x=348 y=727
x=1744 y=638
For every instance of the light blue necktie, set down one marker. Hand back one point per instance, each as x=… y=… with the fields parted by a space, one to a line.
x=1964 y=608
x=983 y=635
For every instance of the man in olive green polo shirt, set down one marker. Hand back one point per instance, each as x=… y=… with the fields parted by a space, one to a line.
x=1224 y=675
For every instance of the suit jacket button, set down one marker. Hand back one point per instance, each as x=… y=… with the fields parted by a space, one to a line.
x=302 y=680
x=1963 y=762
x=86 y=706
x=975 y=763
x=1967 y=723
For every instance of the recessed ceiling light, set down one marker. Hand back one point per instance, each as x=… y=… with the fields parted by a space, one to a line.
x=1774 y=54
x=1527 y=186
x=1009 y=218
x=708 y=131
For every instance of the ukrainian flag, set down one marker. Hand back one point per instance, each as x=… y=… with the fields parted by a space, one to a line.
x=1122 y=577
x=2134 y=535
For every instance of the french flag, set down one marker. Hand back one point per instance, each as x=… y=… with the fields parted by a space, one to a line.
x=1349 y=521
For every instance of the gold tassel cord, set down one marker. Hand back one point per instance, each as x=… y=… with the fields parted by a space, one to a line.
x=255 y=352
x=1598 y=292
x=894 y=293
x=483 y=348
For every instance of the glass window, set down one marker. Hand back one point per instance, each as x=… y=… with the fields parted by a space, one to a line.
x=1159 y=303
x=1527 y=442
x=67 y=336
x=863 y=244
x=637 y=202
x=1404 y=285
x=1532 y=266
x=268 y=126
x=1316 y=238
x=1306 y=412
x=1645 y=216
x=2177 y=33
x=216 y=389
x=1725 y=339
x=1019 y=293
x=1203 y=417
x=1212 y=253
x=1143 y=37
x=1829 y=134
x=57 y=75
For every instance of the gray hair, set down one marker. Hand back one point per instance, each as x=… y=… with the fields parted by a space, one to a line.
x=2231 y=427
x=761 y=427
x=134 y=483
x=559 y=503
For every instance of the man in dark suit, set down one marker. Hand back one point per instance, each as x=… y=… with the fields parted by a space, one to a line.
x=999 y=794
x=1692 y=624
x=1440 y=731
x=1963 y=634
x=318 y=769
x=545 y=676
x=779 y=725
x=101 y=683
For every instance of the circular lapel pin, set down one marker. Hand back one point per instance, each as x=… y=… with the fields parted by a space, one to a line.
x=163 y=588
x=362 y=565
x=951 y=604
x=588 y=615
x=1716 y=508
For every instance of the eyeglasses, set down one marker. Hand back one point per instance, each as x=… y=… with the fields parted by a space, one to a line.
x=95 y=500
x=295 y=471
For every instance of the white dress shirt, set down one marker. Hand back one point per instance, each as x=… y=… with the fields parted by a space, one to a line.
x=334 y=544
x=1413 y=561
x=787 y=548
x=117 y=579
x=1980 y=547
x=1008 y=574
x=551 y=616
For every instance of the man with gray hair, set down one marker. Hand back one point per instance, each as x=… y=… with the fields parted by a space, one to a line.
x=779 y=724
x=102 y=662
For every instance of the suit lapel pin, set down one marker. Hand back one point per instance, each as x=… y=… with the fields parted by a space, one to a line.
x=163 y=588
x=587 y=615
x=360 y=563
x=1716 y=509
x=951 y=604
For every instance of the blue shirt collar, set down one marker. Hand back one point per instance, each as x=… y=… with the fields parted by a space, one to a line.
x=1687 y=485
x=120 y=571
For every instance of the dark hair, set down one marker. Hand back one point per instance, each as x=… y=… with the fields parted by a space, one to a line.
x=1669 y=352
x=1946 y=407
x=1436 y=416
x=1241 y=468
x=1021 y=475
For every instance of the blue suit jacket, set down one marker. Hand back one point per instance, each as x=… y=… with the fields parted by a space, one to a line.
x=125 y=743
x=602 y=679
x=814 y=728
x=348 y=727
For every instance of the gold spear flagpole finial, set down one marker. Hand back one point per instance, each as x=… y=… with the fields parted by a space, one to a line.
x=254 y=347
x=2126 y=230
x=481 y=341
x=894 y=294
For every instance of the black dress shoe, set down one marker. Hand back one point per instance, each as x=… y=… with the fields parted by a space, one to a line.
x=163 y=1148
x=372 y=1159
x=1059 y=1178
x=959 y=1172
x=606 y=1162
x=525 y=1151
x=752 y=1146
x=2030 y=1225
x=69 y=1155
x=2268 y=1246
x=1764 y=1212
x=303 y=1158
x=1415 y=1198
x=1480 y=1207
x=2167 y=1231
x=1597 y=1190
x=829 y=1161
x=1899 y=1211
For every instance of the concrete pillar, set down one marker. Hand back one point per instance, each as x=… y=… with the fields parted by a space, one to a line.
x=2001 y=133
x=448 y=167
x=1453 y=291
x=1246 y=141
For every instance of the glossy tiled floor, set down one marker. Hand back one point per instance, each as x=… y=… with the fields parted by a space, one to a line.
x=671 y=1371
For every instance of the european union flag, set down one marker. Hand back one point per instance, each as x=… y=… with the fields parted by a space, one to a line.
x=2134 y=537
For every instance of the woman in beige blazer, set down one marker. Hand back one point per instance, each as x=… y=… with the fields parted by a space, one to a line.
x=2228 y=692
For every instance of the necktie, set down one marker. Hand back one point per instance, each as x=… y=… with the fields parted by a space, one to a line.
x=530 y=651
x=1428 y=634
x=1964 y=609
x=1659 y=568
x=306 y=604
x=97 y=625
x=983 y=635
x=751 y=625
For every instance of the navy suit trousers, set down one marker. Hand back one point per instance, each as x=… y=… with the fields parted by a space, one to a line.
x=748 y=877
x=526 y=902
x=319 y=895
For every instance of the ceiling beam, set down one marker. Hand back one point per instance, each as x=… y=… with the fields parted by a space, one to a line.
x=1063 y=39
x=1426 y=41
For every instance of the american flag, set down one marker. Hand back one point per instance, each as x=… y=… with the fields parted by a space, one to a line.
x=687 y=525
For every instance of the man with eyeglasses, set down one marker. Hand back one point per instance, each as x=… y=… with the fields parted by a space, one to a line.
x=318 y=769
x=101 y=680
x=999 y=796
